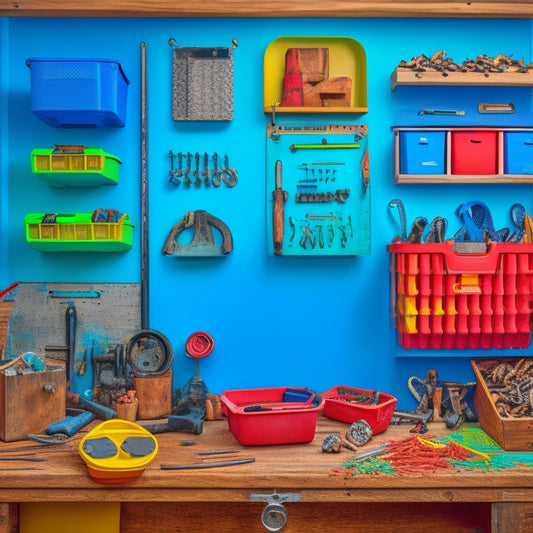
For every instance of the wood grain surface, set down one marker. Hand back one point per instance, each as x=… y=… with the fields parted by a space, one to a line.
x=301 y=468
x=274 y=8
x=219 y=499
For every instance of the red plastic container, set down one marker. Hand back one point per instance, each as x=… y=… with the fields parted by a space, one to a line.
x=265 y=416
x=474 y=152
x=349 y=404
x=447 y=299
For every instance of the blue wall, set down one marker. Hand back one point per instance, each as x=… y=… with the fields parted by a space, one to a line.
x=319 y=321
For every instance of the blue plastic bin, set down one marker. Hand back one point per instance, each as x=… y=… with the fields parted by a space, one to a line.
x=78 y=93
x=422 y=152
x=518 y=152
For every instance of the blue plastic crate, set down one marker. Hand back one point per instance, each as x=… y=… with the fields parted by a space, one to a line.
x=518 y=152
x=78 y=93
x=422 y=152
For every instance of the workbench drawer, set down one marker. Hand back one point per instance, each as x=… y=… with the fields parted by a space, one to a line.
x=30 y=401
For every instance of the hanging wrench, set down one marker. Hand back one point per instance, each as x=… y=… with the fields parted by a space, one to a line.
x=230 y=172
x=205 y=171
x=196 y=172
x=175 y=174
x=186 y=180
x=215 y=175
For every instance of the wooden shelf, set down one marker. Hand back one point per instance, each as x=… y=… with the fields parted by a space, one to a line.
x=457 y=178
x=409 y=77
x=280 y=109
x=447 y=177
x=278 y=8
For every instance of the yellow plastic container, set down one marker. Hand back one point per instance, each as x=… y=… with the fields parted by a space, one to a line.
x=117 y=451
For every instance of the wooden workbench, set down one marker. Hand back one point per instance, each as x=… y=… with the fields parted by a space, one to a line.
x=218 y=499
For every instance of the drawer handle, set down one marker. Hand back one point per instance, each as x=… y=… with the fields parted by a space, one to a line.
x=49 y=388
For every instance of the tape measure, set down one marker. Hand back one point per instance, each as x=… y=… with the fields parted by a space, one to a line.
x=149 y=352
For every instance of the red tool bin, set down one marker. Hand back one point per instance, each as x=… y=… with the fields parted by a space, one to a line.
x=445 y=299
x=474 y=152
x=349 y=404
x=280 y=415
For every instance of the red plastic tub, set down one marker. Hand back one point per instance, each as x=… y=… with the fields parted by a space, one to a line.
x=280 y=415
x=349 y=404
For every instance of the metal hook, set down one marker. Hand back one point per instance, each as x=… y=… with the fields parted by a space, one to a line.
x=235 y=43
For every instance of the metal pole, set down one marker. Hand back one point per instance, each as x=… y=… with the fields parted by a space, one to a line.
x=144 y=191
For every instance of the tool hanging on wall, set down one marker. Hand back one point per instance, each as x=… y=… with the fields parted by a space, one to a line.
x=280 y=197
x=202 y=82
x=144 y=190
x=215 y=175
x=203 y=242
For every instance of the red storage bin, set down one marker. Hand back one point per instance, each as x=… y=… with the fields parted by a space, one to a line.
x=474 y=152
x=279 y=415
x=349 y=404
x=451 y=300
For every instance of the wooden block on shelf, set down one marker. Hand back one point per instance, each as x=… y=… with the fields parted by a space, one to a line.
x=333 y=92
x=314 y=64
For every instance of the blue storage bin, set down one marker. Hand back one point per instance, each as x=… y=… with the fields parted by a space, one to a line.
x=518 y=152
x=422 y=152
x=78 y=93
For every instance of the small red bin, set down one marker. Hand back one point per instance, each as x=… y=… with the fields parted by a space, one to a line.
x=474 y=152
x=348 y=404
x=279 y=415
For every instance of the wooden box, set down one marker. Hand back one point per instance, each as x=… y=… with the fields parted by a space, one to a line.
x=512 y=434
x=30 y=401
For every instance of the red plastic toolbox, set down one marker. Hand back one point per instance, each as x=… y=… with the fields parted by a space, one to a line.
x=280 y=415
x=446 y=299
x=349 y=404
x=474 y=152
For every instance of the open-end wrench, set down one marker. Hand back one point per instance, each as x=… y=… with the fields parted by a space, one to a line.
x=205 y=171
x=186 y=180
x=229 y=174
x=196 y=171
x=175 y=174
x=215 y=175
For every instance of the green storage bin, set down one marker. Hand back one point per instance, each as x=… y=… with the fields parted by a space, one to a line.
x=75 y=166
x=76 y=232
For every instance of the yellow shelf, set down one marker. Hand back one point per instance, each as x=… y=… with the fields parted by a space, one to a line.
x=346 y=58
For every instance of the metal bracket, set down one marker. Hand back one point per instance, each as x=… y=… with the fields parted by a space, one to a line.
x=276 y=498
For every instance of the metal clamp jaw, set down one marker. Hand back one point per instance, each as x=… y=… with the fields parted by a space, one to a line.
x=274 y=516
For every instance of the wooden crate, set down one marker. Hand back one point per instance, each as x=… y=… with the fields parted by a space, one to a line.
x=30 y=401
x=512 y=434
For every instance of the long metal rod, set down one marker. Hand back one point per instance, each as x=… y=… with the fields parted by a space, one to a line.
x=144 y=191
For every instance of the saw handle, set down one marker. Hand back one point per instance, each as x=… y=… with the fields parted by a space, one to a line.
x=278 y=220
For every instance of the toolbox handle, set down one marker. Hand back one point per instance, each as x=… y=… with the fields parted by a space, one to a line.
x=476 y=262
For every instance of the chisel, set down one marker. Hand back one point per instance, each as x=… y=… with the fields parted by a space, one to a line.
x=280 y=196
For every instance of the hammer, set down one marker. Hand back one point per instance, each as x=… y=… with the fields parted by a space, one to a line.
x=72 y=424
